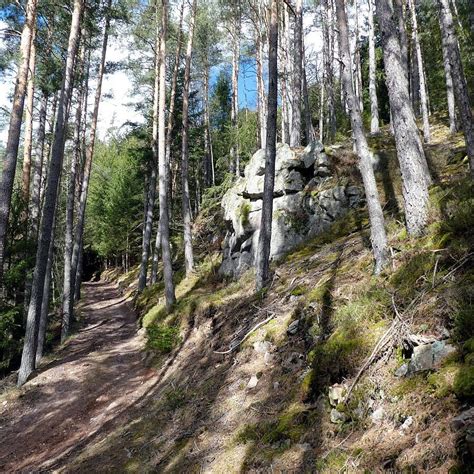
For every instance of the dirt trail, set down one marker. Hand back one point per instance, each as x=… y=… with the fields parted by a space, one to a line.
x=95 y=378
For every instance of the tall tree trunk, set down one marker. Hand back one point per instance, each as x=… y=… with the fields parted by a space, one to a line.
x=310 y=133
x=188 y=243
x=358 y=68
x=261 y=106
x=328 y=69
x=67 y=297
x=163 y=164
x=172 y=106
x=150 y=195
x=34 y=311
x=34 y=210
x=399 y=9
x=321 y=110
x=295 y=138
x=264 y=239
x=13 y=140
x=28 y=141
x=374 y=105
x=448 y=36
x=419 y=59
x=156 y=254
x=235 y=36
x=448 y=73
x=208 y=157
x=411 y=157
x=377 y=224
x=81 y=211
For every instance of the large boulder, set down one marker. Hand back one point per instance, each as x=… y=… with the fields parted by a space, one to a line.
x=304 y=204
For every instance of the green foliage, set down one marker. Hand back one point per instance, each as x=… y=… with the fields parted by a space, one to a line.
x=11 y=332
x=163 y=338
x=464 y=383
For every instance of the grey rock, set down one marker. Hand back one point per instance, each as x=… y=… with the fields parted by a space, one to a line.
x=429 y=356
x=262 y=346
x=337 y=393
x=252 y=383
x=463 y=420
x=294 y=361
x=407 y=425
x=293 y=327
x=378 y=416
x=337 y=416
x=402 y=370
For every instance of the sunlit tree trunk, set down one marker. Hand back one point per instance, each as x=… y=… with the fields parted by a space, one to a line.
x=328 y=69
x=448 y=73
x=162 y=173
x=34 y=311
x=235 y=38
x=187 y=218
x=264 y=240
x=28 y=140
x=374 y=106
x=358 y=68
x=14 y=130
x=295 y=137
x=419 y=59
x=448 y=35
x=377 y=224
x=34 y=210
x=150 y=195
x=411 y=157
x=262 y=111
x=310 y=133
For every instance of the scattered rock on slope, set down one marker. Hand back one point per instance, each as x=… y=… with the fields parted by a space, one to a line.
x=302 y=206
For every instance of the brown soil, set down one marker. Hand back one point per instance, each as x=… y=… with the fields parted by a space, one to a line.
x=95 y=378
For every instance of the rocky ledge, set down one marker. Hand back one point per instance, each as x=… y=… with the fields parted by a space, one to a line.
x=306 y=201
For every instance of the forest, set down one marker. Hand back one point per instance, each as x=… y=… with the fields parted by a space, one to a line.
x=236 y=236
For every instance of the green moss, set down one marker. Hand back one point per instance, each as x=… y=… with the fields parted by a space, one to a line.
x=464 y=323
x=298 y=291
x=244 y=212
x=407 y=386
x=441 y=381
x=162 y=338
x=335 y=461
x=464 y=383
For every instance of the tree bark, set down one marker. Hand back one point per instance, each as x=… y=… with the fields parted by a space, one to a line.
x=28 y=140
x=448 y=73
x=34 y=311
x=264 y=239
x=374 y=106
x=156 y=253
x=328 y=70
x=14 y=130
x=262 y=111
x=163 y=165
x=419 y=59
x=235 y=36
x=81 y=212
x=186 y=203
x=310 y=133
x=150 y=195
x=295 y=138
x=171 y=113
x=377 y=224
x=411 y=156
x=34 y=210
x=448 y=36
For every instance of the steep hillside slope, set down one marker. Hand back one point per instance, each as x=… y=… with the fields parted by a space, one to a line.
x=308 y=376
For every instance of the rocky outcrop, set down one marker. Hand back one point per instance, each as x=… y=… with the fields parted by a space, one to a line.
x=306 y=201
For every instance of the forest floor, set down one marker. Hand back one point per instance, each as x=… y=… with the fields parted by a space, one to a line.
x=90 y=383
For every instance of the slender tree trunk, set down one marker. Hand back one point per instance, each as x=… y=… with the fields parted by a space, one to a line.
x=34 y=311
x=453 y=127
x=399 y=9
x=43 y=319
x=358 y=68
x=374 y=106
x=328 y=70
x=28 y=141
x=188 y=243
x=264 y=240
x=262 y=113
x=208 y=164
x=419 y=59
x=377 y=224
x=150 y=196
x=234 y=151
x=163 y=164
x=171 y=113
x=78 y=276
x=67 y=297
x=156 y=253
x=47 y=151
x=295 y=138
x=411 y=157
x=310 y=133
x=448 y=36
x=13 y=140
x=78 y=235
x=34 y=210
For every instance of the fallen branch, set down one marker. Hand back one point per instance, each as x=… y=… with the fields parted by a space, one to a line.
x=247 y=335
